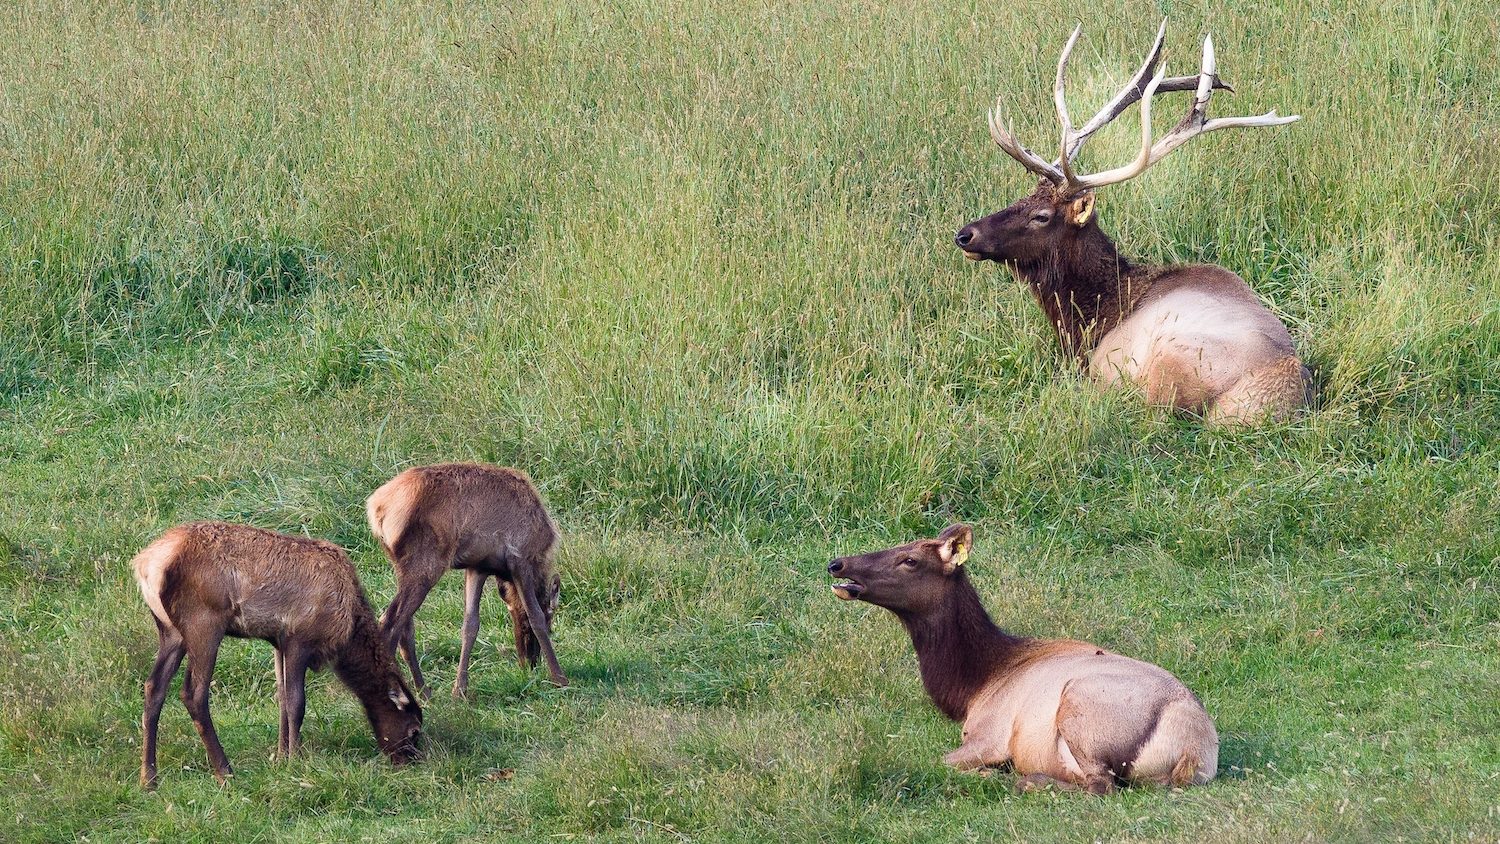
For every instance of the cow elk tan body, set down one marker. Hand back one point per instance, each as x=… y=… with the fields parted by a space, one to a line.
x=487 y=520
x=1059 y=711
x=1194 y=338
x=207 y=580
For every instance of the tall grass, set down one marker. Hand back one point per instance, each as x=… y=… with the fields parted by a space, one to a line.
x=689 y=265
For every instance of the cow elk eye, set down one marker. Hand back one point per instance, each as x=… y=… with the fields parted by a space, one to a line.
x=908 y=563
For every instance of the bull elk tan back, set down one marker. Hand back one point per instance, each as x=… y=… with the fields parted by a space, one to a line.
x=1194 y=338
x=489 y=521
x=1060 y=711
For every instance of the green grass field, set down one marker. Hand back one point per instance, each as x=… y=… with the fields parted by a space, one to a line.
x=691 y=268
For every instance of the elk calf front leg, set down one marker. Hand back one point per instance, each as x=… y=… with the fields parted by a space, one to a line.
x=972 y=755
x=279 y=663
x=473 y=589
x=294 y=701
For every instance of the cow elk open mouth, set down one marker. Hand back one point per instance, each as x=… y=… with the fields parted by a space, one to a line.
x=848 y=590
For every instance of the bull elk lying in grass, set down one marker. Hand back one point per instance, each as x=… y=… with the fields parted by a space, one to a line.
x=1060 y=712
x=1193 y=337
x=207 y=580
x=487 y=520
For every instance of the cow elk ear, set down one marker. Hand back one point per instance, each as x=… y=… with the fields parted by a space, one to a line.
x=1081 y=208
x=954 y=544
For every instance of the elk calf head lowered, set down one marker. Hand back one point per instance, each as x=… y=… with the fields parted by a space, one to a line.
x=1062 y=712
x=207 y=580
x=1194 y=337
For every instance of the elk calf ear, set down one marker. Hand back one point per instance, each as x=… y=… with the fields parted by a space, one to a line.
x=953 y=546
x=1081 y=209
x=400 y=698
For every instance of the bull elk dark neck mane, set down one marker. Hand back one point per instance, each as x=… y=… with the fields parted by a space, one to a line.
x=1086 y=291
x=959 y=649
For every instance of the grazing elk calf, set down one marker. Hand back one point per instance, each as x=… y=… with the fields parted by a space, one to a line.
x=207 y=580
x=1061 y=712
x=487 y=520
x=1192 y=337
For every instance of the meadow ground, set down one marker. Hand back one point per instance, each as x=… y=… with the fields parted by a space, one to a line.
x=690 y=267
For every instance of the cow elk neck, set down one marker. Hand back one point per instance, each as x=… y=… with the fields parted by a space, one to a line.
x=959 y=649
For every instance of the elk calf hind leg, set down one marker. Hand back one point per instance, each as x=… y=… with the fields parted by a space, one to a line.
x=473 y=591
x=1272 y=392
x=195 y=689
x=1039 y=782
x=168 y=657
x=416 y=574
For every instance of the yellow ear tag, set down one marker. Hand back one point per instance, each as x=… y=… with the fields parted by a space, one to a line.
x=960 y=554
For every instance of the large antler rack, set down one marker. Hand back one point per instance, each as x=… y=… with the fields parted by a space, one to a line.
x=1146 y=84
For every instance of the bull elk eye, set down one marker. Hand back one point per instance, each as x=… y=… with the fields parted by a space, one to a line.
x=1041 y=218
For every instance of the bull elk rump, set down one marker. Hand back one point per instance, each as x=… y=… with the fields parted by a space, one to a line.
x=487 y=520
x=1193 y=337
x=1059 y=711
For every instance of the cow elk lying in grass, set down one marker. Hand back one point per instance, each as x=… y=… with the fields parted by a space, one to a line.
x=486 y=520
x=1193 y=337
x=1061 y=712
x=207 y=580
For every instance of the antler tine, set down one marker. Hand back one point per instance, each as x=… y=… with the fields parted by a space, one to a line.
x=1078 y=184
x=1060 y=172
x=1131 y=93
x=1030 y=160
x=1128 y=95
x=1060 y=99
x=1196 y=122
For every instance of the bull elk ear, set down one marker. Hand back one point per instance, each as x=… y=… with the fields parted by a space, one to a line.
x=1081 y=208
x=953 y=546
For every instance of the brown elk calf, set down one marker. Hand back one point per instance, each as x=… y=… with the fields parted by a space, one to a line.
x=1061 y=712
x=1192 y=337
x=487 y=520
x=207 y=580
